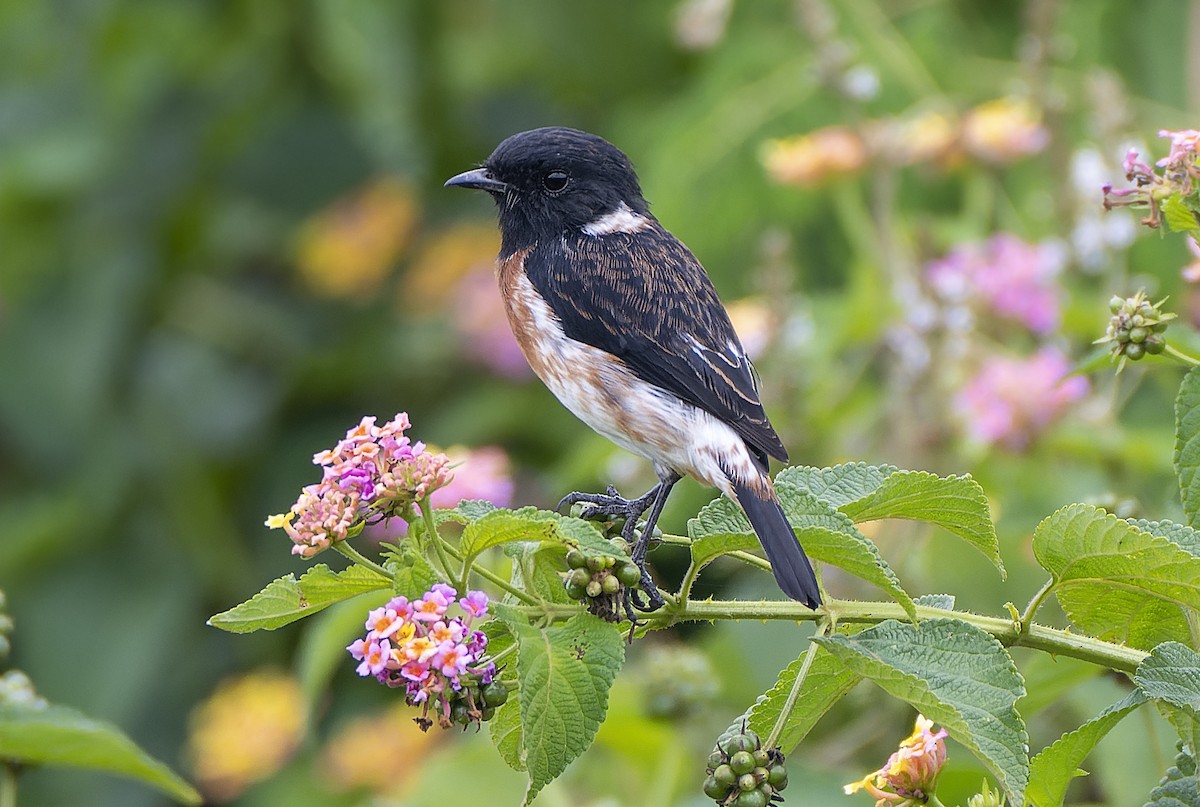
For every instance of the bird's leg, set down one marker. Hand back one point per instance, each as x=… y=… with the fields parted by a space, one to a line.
x=612 y=503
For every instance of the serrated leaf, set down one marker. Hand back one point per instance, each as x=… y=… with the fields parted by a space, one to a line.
x=956 y=675
x=1180 y=787
x=1171 y=673
x=830 y=536
x=1187 y=445
x=505 y=731
x=954 y=503
x=1181 y=535
x=57 y=735
x=565 y=673
x=708 y=548
x=944 y=602
x=571 y=531
x=826 y=681
x=1116 y=581
x=840 y=484
x=721 y=516
x=413 y=575
x=1178 y=216
x=825 y=534
x=1053 y=769
x=287 y=599
x=502 y=527
x=474 y=509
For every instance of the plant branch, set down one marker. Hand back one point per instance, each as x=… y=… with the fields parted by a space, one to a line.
x=492 y=577
x=8 y=784
x=785 y=713
x=1035 y=603
x=1039 y=637
x=439 y=546
x=344 y=548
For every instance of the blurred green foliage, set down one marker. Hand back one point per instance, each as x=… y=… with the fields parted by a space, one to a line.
x=168 y=366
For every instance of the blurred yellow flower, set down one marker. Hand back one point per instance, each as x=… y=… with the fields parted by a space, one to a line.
x=382 y=754
x=348 y=248
x=931 y=137
x=810 y=159
x=1004 y=130
x=245 y=731
x=445 y=259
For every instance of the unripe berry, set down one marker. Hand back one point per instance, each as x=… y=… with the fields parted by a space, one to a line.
x=595 y=562
x=750 y=798
x=1154 y=345
x=725 y=776
x=629 y=574
x=742 y=762
x=777 y=777
x=713 y=789
x=761 y=757
x=1134 y=351
x=747 y=782
x=494 y=693
x=578 y=578
x=576 y=559
x=610 y=585
x=1116 y=303
x=1138 y=335
x=593 y=588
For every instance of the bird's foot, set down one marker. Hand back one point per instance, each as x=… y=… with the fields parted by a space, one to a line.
x=645 y=597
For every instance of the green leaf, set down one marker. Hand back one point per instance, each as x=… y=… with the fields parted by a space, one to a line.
x=40 y=734
x=537 y=569
x=1052 y=770
x=412 y=572
x=502 y=527
x=1181 y=535
x=872 y=492
x=956 y=675
x=474 y=509
x=943 y=601
x=827 y=680
x=954 y=503
x=825 y=534
x=840 y=484
x=1116 y=581
x=1187 y=445
x=721 y=516
x=1171 y=673
x=565 y=673
x=830 y=536
x=287 y=599
x=1180 y=787
x=1178 y=216
x=505 y=731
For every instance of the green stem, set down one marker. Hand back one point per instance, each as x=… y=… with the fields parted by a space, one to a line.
x=785 y=713
x=1053 y=641
x=1035 y=603
x=8 y=784
x=493 y=578
x=1170 y=350
x=439 y=546
x=353 y=554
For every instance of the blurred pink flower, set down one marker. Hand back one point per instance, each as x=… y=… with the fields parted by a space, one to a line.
x=481 y=473
x=482 y=325
x=1011 y=400
x=1013 y=278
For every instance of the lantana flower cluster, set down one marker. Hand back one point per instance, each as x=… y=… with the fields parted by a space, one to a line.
x=1180 y=173
x=910 y=774
x=436 y=659
x=375 y=470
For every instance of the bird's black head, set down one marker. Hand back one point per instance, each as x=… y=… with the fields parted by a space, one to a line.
x=551 y=181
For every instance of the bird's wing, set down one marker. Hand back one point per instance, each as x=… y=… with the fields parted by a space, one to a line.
x=644 y=298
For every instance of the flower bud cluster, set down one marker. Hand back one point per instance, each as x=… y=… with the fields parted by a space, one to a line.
x=439 y=661
x=1136 y=327
x=1180 y=171
x=375 y=470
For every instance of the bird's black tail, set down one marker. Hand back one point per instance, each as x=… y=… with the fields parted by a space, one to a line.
x=792 y=570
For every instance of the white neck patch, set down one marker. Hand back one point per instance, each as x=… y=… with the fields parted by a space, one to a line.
x=621 y=220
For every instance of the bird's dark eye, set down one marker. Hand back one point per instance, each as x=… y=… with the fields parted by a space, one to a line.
x=556 y=181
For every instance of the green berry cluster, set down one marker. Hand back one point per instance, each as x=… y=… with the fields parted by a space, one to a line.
x=1136 y=327
x=600 y=580
x=476 y=704
x=741 y=773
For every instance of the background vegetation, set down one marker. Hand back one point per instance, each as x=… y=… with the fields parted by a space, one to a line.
x=224 y=240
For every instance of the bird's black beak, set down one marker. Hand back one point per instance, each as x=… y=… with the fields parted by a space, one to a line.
x=479 y=179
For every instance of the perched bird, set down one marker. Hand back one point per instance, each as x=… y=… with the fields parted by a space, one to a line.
x=623 y=324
